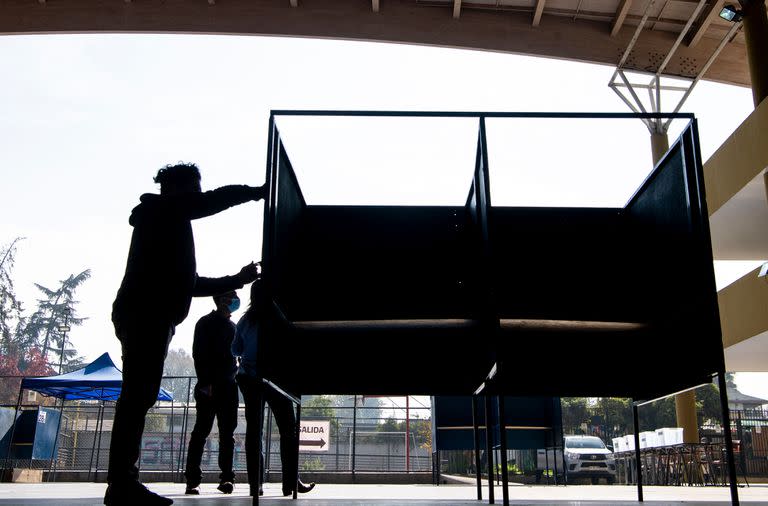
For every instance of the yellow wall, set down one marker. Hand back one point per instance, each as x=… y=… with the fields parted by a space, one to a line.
x=744 y=308
x=741 y=157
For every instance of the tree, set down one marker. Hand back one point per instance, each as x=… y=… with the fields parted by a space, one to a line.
x=54 y=311
x=10 y=307
x=658 y=414
x=575 y=414
x=422 y=430
x=179 y=363
x=322 y=406
x=616 y=414
x=34 y=365
x=708 y=405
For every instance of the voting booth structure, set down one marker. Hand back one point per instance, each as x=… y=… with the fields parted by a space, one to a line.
x=487 y=294
x=467 y=286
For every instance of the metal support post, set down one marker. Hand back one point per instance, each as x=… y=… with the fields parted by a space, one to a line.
x=93 y=447
x=407 y=431
x=298 y=438
x=638 y=466
x=268 y=451
x=489 y=446
x=98 y=446
x=728 y=439
x=55 y=456
x=476 y=433
x=170 y=461
x=354 y=434
x=503 y=451
x=184 y=427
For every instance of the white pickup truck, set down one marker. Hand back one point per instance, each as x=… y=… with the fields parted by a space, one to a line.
x=585 y=457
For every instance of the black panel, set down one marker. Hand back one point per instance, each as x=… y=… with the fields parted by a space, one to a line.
x=373 y=263
x=287 y=223
x=562 y=264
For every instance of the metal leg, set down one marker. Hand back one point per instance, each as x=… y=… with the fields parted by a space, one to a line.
x=298 y=438
x=98 y=445
x=476 y=433
x=638 y=464
x=503 y=452
x=728 y=439
x=55 y=451
x=354 y=435
x=489 y=446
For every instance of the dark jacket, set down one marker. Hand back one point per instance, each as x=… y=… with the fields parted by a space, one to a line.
x=160 y=276
x=212 y=349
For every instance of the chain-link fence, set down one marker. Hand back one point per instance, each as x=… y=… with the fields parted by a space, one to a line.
x=365 y=435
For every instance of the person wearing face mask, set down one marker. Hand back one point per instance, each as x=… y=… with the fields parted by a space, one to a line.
x=215 y=391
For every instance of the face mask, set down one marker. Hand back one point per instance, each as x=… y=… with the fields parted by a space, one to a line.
x=234 y=305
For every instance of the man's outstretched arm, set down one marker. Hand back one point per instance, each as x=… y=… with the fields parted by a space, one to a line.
x=208 y=287
x=199 y=205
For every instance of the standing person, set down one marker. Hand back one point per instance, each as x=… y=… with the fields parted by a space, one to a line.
x=154 y=297
x=215 y=392
x=250 y=328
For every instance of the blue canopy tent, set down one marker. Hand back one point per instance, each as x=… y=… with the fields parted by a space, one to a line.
x=100 y=380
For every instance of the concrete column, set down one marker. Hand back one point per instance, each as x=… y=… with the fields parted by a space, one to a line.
x=685 y=403
x=659 y=146
x=685 y=411
x=756 y=38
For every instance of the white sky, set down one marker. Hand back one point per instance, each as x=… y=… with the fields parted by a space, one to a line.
x=86 y=121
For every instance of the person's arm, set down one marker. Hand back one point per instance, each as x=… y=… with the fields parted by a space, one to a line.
x=237 y=342
x=208 y=287
x=201 y=354
x=193 y=205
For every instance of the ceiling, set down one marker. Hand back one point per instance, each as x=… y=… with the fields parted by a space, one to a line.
x=597 y=31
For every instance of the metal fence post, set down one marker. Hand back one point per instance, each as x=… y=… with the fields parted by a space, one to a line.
x=184 y=426
x=354 y=434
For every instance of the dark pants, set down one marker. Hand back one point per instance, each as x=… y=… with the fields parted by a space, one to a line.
x=256 y=394
x=145 y=345
x=221 y=404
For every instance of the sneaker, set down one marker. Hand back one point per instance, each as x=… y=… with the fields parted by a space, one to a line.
x=132 y=493
x=192 y=490
x=226 y=487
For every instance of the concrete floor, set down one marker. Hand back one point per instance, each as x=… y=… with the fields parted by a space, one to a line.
x=70 y=494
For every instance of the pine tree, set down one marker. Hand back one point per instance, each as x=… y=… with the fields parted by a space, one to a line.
x=10 y=307
x=54 y=311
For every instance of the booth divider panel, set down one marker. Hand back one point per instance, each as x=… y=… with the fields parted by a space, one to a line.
x=374 y=263
x=668 y=213
x=562 y=264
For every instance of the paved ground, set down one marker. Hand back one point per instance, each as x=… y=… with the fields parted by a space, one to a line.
x=69 y=494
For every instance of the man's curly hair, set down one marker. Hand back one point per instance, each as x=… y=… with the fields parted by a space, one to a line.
x=172 y=175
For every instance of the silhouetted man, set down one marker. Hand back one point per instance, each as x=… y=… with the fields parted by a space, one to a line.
x=215 y=391
x=154 y=297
